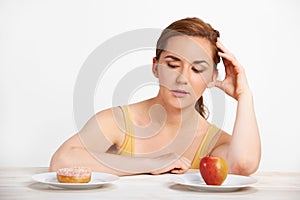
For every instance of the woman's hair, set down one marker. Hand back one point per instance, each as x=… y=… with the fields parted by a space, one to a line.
x=191 y=27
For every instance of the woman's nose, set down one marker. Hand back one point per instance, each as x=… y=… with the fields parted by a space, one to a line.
x=182 y=77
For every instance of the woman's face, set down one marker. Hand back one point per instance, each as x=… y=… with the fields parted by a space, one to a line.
x=185 y=68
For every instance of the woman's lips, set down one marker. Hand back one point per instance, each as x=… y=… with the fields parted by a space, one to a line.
x=180 y=93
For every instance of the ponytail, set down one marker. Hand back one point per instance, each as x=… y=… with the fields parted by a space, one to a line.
x=201 y=108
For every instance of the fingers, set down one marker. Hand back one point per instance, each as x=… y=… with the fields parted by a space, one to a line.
x=225 y=55
x=221 y=46
x=181 y=165
x=228 y=58
x=177 y=171
x=224 y=52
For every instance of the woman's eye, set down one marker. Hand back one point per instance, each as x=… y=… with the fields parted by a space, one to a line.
x=172 y=66
x=197 y=70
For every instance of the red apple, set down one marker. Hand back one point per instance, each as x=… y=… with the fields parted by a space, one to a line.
x=213 y=170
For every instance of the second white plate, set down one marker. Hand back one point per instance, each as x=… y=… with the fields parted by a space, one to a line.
x=194 y=181
x=97 y=180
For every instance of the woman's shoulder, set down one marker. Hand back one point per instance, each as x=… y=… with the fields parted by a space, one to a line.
x=111 y=122
x=109 y=114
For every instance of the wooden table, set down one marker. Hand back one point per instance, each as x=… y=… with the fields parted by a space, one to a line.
x=16 y=183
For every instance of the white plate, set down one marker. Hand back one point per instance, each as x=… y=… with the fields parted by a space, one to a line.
x=194 y=181
x=97 y=180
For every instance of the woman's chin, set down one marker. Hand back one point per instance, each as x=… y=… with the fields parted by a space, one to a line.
x=181 y=104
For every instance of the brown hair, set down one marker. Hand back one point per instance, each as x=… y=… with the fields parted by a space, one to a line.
x=191 y=27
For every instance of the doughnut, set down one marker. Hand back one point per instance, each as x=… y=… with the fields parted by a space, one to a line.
x=74 y=175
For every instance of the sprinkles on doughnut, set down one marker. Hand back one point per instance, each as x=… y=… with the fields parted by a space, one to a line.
x=74 y=175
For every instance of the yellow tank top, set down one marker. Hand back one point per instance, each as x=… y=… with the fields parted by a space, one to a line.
x=127 y=148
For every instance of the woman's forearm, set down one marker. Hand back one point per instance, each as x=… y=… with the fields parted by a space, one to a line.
x=245 y=148
x=76 y=156
x=109 y=163
x=127 y=165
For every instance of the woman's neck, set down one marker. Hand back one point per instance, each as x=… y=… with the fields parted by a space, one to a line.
x=177 y=116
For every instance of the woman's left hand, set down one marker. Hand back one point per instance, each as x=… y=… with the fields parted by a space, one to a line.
x=177 y=165
x=235 y=82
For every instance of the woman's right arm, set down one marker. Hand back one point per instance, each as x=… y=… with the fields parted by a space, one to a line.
x=88 y=148
x=73 y=153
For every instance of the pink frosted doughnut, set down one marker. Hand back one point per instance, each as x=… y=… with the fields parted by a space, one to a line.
x=74 y=175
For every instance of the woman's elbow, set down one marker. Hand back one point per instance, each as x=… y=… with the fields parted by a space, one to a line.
x=53 y=165
x=56 y=162
x=244 y=167
x=60 y=159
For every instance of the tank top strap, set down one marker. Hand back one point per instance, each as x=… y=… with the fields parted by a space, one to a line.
x=127 y=147
x=205 y=146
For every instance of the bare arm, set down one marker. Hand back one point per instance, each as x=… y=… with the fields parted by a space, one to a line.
x=73 y=153
x=89 y=148
x=243 y=150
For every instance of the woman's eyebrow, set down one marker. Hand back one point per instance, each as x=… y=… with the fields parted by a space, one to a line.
x=173 y=57
x=198 y=62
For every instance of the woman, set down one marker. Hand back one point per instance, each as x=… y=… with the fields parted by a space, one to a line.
x=166 y=133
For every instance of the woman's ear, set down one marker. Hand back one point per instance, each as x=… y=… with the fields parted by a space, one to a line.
x=155 y=67
x=214 y=79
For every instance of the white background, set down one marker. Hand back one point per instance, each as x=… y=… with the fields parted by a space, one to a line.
x=43 y=45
